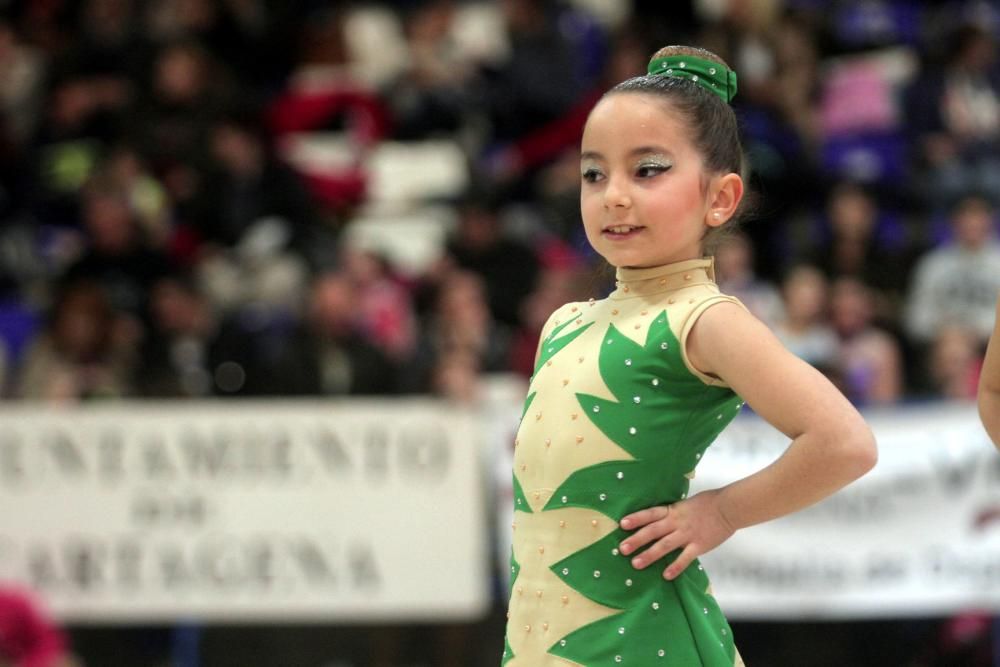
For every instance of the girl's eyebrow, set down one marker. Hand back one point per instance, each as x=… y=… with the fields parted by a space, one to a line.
x=641 y=150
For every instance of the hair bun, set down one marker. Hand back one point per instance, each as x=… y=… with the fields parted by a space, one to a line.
x=710 y=75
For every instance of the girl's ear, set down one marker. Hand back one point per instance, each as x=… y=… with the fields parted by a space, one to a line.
x=725 y=196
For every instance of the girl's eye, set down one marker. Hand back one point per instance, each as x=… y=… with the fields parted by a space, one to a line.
x=591 y=175
x=649 y=170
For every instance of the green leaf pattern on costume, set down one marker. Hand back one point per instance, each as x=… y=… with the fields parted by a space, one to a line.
x=664 y=418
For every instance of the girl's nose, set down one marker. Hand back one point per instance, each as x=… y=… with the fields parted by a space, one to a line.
x=616 y=195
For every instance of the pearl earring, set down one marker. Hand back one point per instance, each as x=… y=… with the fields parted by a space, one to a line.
x=716 y=215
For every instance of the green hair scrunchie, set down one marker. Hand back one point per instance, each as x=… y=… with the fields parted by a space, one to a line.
x=710 y=75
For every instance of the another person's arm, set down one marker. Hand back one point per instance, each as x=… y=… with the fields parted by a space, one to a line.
x=831 y=444
x=989 y=385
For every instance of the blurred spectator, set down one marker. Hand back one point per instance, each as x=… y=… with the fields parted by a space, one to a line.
x=385 y=314
x=263 y=354
x=118 y=254
x=175 y=359
x=734 y=267
x=954 y=116
x=82 y=353
x=28 y=637
x=171 y=126
x=435 y=92
x=958 y=282
x=323 y=95
x=869 y=368
x=860 y=242
x=22 y=70
x=556 y=55
x=125 y=170
x=805 y=329
x=459 y=324
x=955 y=360
x=508 y=268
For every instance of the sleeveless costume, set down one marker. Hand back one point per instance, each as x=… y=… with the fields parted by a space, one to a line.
x=615 y=421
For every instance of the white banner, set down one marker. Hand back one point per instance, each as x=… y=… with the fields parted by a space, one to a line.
x=919 y=535
x=326 y=511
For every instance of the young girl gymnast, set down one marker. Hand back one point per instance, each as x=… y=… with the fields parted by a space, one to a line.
x=629 y=391
x=989 y=384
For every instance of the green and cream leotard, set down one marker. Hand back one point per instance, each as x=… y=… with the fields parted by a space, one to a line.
x=615 y=421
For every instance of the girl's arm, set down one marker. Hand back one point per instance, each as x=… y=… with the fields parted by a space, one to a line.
x=831 y=444
x=989 y=385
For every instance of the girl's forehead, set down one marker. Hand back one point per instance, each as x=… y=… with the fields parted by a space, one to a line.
x=622 y=117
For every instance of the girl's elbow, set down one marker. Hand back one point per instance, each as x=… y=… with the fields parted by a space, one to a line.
x=864 y=451
x=859 y=450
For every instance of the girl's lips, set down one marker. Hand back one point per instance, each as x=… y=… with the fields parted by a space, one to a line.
x=620 y=232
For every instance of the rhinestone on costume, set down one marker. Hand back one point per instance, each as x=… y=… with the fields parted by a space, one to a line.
x=661 y=653
x=719 y=417
x=593 y=522
x=711 y=71
x=705 y=609
x=664 y=345
x=614 y=552
x=597 y=574
x=562 y=642
x=614 y=311
x=609 y=341
x=618 y=658
x=628 y=582
x=550 y=350
x=638 y=326
x=579 y=439
x=700 y=566
x=656 y=381
x=656 y=606
x=724 y=631
x=527 y=628
x=603 y=496
x=695 y=78
x=565 y=499
x=565 y=571
x=628 y=362
x=596 y=408
x=565 y=600
x=620 y=475
x=545 y=626
x=632 y=430
x=548 y=441
x=697 y=456
x=644 y=312
x=541 y=550
x=573 y=309
x=683 y=65
x=538 y=594
x=670 y=71
x=636 y=399
x=562 y=524
x=621 y=631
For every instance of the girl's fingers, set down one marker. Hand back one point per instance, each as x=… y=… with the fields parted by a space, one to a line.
x=659 y=549
x=643 y=517
x=674 y=569
x=650 y=532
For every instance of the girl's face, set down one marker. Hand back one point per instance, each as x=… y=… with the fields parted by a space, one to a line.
x=645 y=197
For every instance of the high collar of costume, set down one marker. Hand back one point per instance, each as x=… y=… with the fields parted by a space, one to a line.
x=632 y=282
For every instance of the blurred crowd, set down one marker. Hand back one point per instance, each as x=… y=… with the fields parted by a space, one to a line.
x=186 y=188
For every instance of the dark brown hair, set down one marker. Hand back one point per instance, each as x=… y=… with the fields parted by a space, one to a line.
x=715 y=129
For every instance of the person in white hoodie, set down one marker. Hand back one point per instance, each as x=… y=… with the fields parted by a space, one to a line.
x=956 y=284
